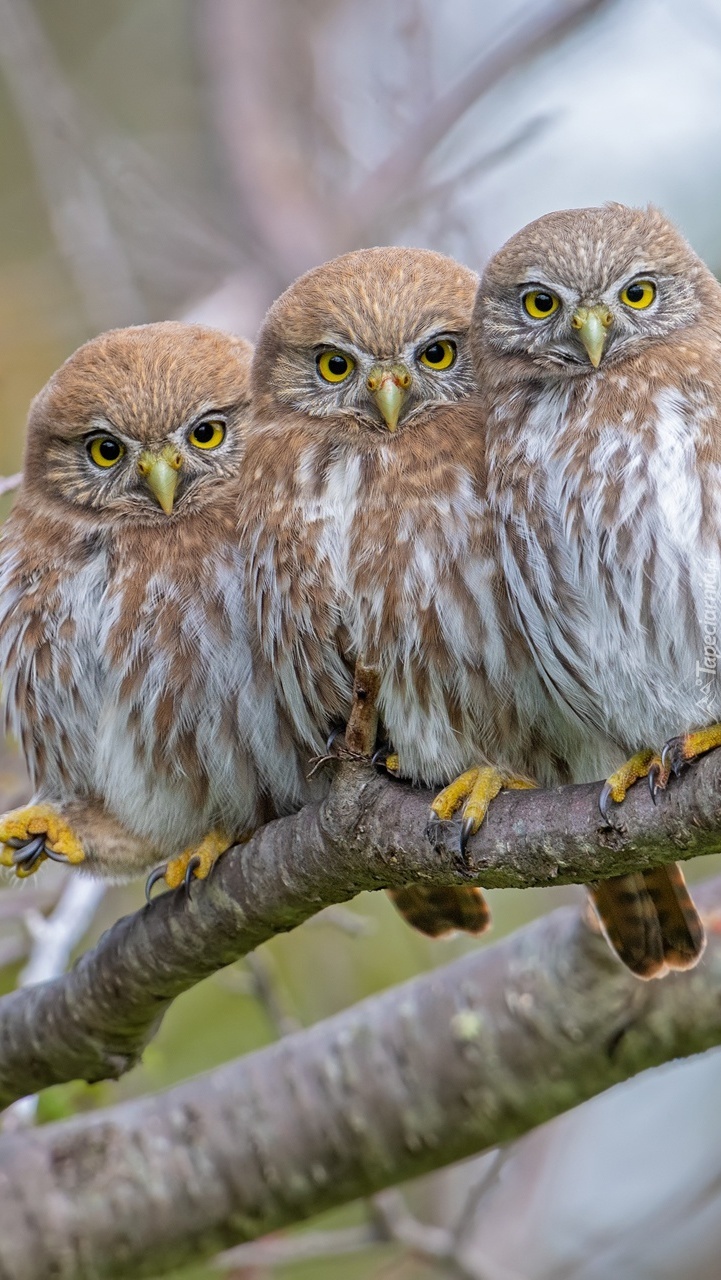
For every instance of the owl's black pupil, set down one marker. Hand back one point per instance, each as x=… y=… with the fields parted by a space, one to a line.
x=205 y=432
x=337 y=364
x=635 y=292
x=543 y=301
x=109 y=450
x=435 y=353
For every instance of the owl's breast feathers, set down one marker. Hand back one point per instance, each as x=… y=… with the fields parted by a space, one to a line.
x=381 y=552
x=129 y=675
x=606 y=500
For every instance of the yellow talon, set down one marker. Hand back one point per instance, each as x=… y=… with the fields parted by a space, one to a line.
x=645 y=764
x=37 y=820
x=477 y=788
x=204 y=857
x=639 y=766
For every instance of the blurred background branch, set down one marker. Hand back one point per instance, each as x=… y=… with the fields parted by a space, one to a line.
x=425 y=1074
x=74 y=201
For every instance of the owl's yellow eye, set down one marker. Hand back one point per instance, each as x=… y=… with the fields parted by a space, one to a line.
x=105 y=451
x=540 y=303
x=441 y=354
x=208 y=434
x=639 y=295
x=334 y=366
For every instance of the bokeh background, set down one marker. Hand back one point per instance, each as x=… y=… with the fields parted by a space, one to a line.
x=189 y=158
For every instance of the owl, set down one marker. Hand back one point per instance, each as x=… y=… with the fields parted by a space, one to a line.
x=147 y=718
x=366 y=528
x=597 y=334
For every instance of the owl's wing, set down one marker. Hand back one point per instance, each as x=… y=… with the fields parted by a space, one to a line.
x=299 y=595
x=51 y=588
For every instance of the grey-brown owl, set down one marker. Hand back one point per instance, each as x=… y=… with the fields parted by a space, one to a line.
x=148 y=722
x=365 y=522
x=598 y=336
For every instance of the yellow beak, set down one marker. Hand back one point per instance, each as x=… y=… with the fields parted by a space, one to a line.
x=593 y=324
x=388 y=384
x=160 y=472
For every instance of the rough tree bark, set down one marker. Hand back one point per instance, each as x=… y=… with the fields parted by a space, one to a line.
x=425 y=1074
x=368 y=834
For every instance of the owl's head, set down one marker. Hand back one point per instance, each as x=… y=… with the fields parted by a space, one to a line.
x=581 y=289
x=368 y=342
x=140 y=424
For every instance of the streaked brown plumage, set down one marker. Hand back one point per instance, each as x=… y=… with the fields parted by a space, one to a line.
x=147 y=718
x=598 y=339
x=367 y=531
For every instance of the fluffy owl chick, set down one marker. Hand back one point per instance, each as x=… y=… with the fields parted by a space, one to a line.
x=598 y=336
x=128 y=675
x=365 y=525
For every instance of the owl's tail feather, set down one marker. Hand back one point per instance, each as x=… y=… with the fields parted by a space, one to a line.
x=650 y=920
x=440 y=909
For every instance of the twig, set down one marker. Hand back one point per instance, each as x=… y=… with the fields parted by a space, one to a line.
x=53 y=941
x=533 y=31
x=399 y=1224
x=423 y=1075
x=368 y=834
x=264 y=985
x=8 y=484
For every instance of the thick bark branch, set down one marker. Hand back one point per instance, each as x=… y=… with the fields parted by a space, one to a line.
x=427 y=1073
x=369 y=834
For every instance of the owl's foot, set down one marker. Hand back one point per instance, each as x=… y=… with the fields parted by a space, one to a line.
x=194 y=863
x=28 y=836
x=474 y=790
x=680 y=751
x=645 y=764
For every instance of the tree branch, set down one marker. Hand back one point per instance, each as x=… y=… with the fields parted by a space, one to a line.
x=368 y=834
x=425 y=1074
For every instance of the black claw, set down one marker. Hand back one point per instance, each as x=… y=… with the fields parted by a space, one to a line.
x=603 y=800
x=188 y=879
x=468 y=827
x=335 y=733
x=29 y=853
x=654 y=774
x=672 y=756
x=54 y=856
x=152 y=880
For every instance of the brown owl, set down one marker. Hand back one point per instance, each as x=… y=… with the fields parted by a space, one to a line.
x=598 y=338
x=366 y=528
x=148 y=722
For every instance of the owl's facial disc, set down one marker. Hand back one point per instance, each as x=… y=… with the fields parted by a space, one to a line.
x=161 y=474
x=388 y=385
